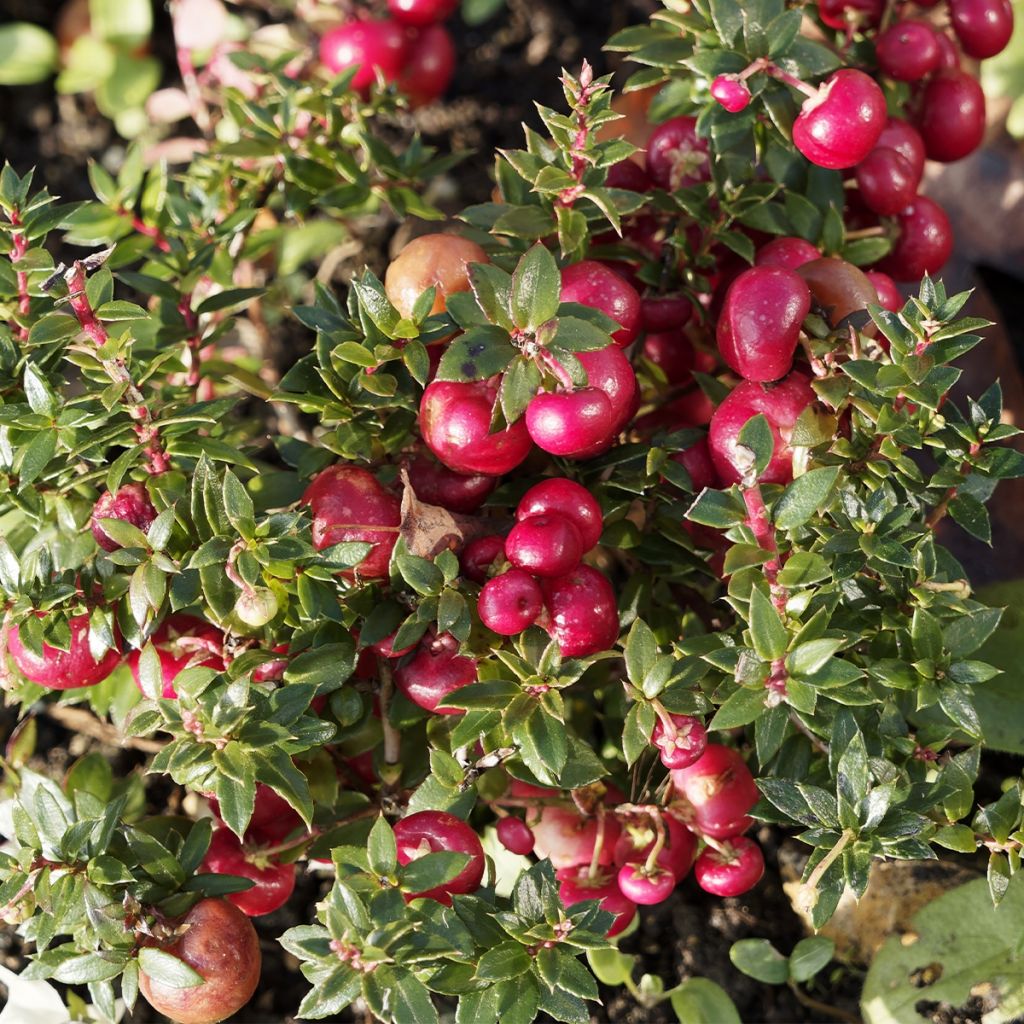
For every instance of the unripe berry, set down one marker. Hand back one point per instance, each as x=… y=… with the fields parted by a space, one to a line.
x=437 y=261
x=886 y=181
x=432 y=832
x=256 y=607
x=924 y=242
x=839 y=126
x=983 y=27
x=369 y=46
x=584 y=617
x=573 y=424
x=734 y=870
x=565 y=498
x=430 y=65
x=548 y=545
x=676 y=156
x=63 y=670
x=130 y=503
x=908 y=50
x=952 y=117
x=421 y=12
x=511 y=602
x=787 y=252
x=515 y=836
x=479 y=555
x=593 y=284
x=731 y=93
x=435 y=671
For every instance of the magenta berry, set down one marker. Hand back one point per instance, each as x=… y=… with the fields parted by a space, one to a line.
x=419 y=13
x=665 y=312
x=908 y=50
x=430 y=64
x=906 y=140
x=759 y=326
x=565 y=498
x=425 y=832
x=924 y=242
x=510 y=603
x=645 y=887
x=952 y=118
x=839 y=126
x=639 y=836
x=455 y=420
x=584 y=618
x=628 y=174
x=576 y=885
x=515 y=836
x=683 y=744
x=983 y=27
x=720 y=789
x=787 y=252
x=696 y=460
x=573 y=424
x=610 y=371
x=435 y=671
x=850 y=14
x=436 y=484
x=672 y=353
x=182 y=642
x=273 y=881
x=731 y=93
x=130 y=503
x=889 y=296
x=370 y=46
x=781 y=405
x=546 y=545
x=479 y=555
x=886 y=181
x=593 y=284
x=676 y=156
x=731 y=871
x=63 y=670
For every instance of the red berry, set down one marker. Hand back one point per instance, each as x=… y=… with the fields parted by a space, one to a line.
x=840 y=125
x=643 y=887
x=565 y=498
x=437 y=261
x=422 y=12
x=610 y=371
x=455 y=420
x=734 y=870
x=787 y=252
x=696 y=460
x=130 y=503
x=593 y=284
x=436 y=484
x=628 y=174
x=889 y=296
x=274 y=882
x=181 y=642
x=684 y=746
x=435 y=671
x=515 y=836
x=676 y=156
x=908 y=50
x=369 y=46
x=924 y=242
x=731 y=93
x=573 y=424
x=219 y=942
x=949 y=53
x=272 y=671
x=639 y=835
x=479 y=555
x=575 y=885
x=886 y=181
x=952 y=116
x=433 y=832
x=567 y=838
x=720 y=789
x=983 y=27
x=430 y=65
x=510 y=603
x=386 y=648
x=672 y=353
x=665 y=312
x=545 y=545
x=273 y=818
x=759 y=327
x=63 y=670
x=844 y=14
x=906 y=140
x=781 y=405
x=584 y=618
x=349 y=504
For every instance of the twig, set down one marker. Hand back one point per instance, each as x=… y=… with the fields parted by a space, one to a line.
x=813 y=1004
x=85 y=722
x=392 y=737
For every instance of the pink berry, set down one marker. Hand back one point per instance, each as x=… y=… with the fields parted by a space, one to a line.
x=886 y=181
x=889 y=296
x=720 y=790
x=567 y=838
x=696 y=460
x=665 y=312
x=628 y=174
x=584 y=617
x=130 y=503
x=734 y=870
x=181 y=642
x=610 y=371
x=684 y=746
x=510 y=603
x=847 y=14
x=479 y=555
x=908 y=50
x=424 y=832
x=983 y=27
x=273 y=881
x=787 y=252
x=370 y=46
x=62 y=670
x=421 y=12
x=731 y=93
x=576 y=886
x=573 y=424
x=676 y=156
x=759 y=327
x=952 y=117
x=436 y=484
x=672 y=353
x=593 y=284
x=643 y=887
x=639 y=835
x=565 y=498
x=455 y=420
x=906 y=140
x=924 y=242
x=839 y=126
x=545 y=545
x=434 y=672
x=781 y=405
x=430 y=65
x=515 y=836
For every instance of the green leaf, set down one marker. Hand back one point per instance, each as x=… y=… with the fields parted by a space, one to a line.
x=504 y=961
x=809 y=956
x=759 y=959
x=477 y=354
x=167 y=969
x=767 y=632
x=27 y=54
x=741 y=708
x=756 y=435
x=804 y=496
x=536 y=289
x=382 y=849
x=641 y=652
x=701 y=1001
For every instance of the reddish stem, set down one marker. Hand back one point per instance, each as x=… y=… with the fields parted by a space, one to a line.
x=771 y=68
x=764 y=533
x=19 y=246
x=148 y=230
x=194 y=340
x=578 y=148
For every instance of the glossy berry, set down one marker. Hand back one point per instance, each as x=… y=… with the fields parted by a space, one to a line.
x=593 y=284
x=273 y=818
x=731 y=93
x=433 y=832
x=889 y=296
x=455 y=420
x=511 y=602
x=847 y=14
x=610 y=371
x=435 y=671
x=676 y=155
x=672 y=353
x=130 y=503
x=584 y=617
x=908 y=50
x=63 y=670
x=838 y=288
x=181 y=642
x=421 y=12
x=573 y=424
x=665 y=312
x=548 y=544
x=696 y=460
x=576 y=885
x=734 y=870
x=515 y=836
x=348 y=503
x=430 y=65
x=886 y=181
x=273 y=882
x=565 y=498
x=370 y=46
x=437 y=261
x=720 y=790
x=683 y=745
x=923 y=244
x=906 y=140
x=949 y=52
x=952 y=116
x=628 y=174
x=639 y=835
x=787 y=252
x=567 y=838
x=218 y=942
x=479 y=555
x=840 y=125
x=436 y=484
x=645 y=887
x=983 y=27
